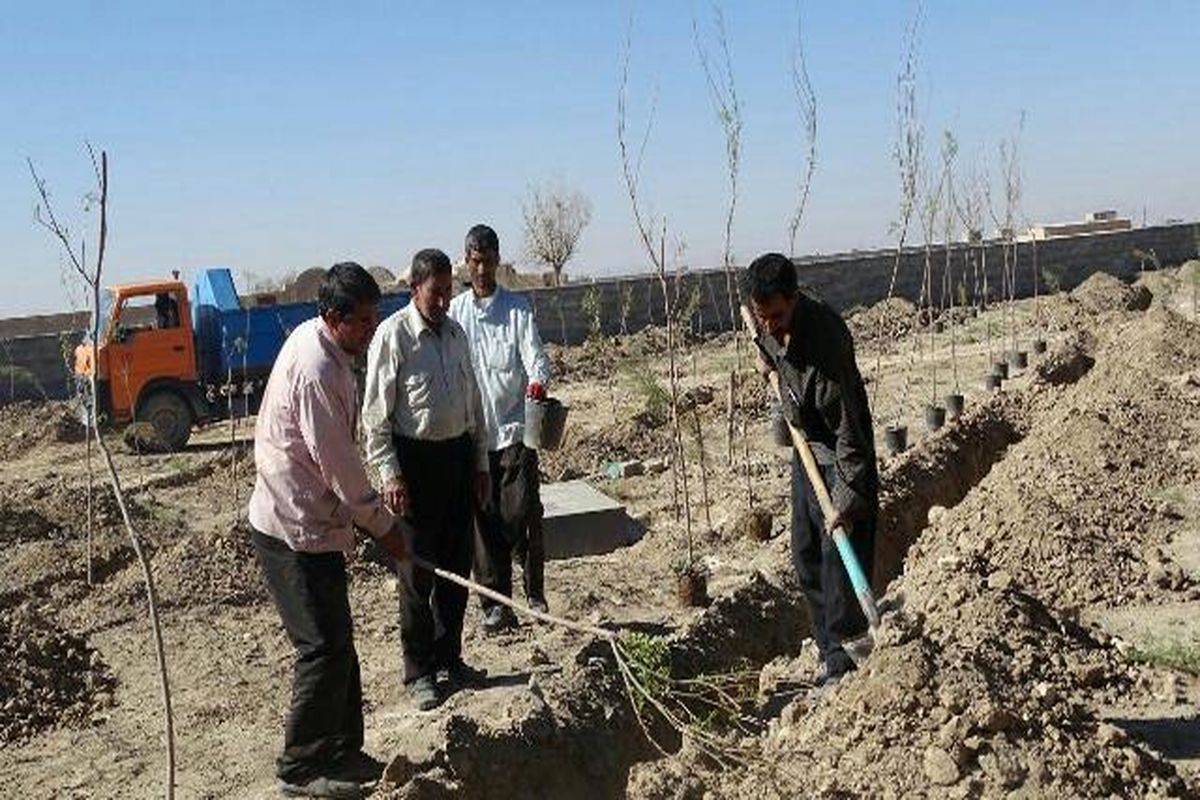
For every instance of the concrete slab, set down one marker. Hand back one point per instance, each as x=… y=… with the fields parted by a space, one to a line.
x=580 y=520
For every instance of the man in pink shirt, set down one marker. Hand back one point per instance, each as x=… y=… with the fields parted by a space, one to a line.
x=310 y=493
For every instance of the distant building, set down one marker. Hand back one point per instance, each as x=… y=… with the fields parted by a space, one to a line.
x=1105 y=221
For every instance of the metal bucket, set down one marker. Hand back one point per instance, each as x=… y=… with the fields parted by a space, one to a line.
x=544 y=423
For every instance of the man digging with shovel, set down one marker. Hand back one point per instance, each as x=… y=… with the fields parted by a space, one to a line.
x=808 y=344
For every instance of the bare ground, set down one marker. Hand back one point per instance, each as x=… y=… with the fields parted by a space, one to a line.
x=1040 y=548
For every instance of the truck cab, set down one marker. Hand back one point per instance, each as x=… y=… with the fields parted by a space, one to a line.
x=146 y=359
x=175 y=360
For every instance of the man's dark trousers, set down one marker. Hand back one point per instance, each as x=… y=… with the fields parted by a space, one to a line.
x=325 y=721
x=440 y=479
x=512 y=526
x=833 y=607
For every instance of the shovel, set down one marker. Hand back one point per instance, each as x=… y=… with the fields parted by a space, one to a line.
x=858 y=579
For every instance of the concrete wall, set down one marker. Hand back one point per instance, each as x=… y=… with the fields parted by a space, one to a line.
x=862 y=278
x=33 y=367
x=846 y=280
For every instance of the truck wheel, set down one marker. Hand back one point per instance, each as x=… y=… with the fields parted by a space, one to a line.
x=171 y=417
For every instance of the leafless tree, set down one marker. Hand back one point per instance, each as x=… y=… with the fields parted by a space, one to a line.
x=932 y=198
x=1010 y=175
x=806 y=100
x=653 y=235
x=949 y=213
x=722 y=91
x=554 y=221
x=92 y=273
x=907 y=152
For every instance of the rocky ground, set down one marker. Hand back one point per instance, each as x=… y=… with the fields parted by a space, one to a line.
x=1039 y=563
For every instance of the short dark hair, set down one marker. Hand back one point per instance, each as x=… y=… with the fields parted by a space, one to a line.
x=770 y=274
x=427 y=263
x=346 y=285
x=483 y=239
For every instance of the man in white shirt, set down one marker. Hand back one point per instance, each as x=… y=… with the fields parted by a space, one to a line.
x=426 y=436
x=310 y=492
x=510 y=364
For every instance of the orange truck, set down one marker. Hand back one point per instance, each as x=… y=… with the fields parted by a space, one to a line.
x=177 y=359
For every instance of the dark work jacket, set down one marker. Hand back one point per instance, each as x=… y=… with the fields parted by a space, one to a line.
x=823 y=395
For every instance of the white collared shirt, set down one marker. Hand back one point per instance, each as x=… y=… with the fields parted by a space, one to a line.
x=508 y=355
x=420 y=385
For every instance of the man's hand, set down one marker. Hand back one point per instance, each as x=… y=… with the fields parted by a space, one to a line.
x=483 y=490
x=763 y=366
x=395 y=495
x=393 y=541
x=838 y=520
x=536 y=391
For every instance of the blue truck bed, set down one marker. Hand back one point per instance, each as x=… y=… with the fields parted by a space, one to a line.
x=247 y=339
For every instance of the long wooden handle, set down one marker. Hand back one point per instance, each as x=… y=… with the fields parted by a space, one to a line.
x=858 y=579
x=491 y=594
x=798 y=440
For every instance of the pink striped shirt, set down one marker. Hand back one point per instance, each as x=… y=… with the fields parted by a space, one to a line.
x=311 y=485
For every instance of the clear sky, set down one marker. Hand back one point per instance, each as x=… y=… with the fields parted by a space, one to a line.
x=274 y=136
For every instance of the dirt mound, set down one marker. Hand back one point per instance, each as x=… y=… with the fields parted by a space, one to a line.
x=887 y=319
x=19 y=524
x=48 y=677
x=967 y=688
x=571 y=737
x=63 y=501
x=210 y=568
x=1102 y=292
x=26 y=425
x=621 y=441
x=982 y=682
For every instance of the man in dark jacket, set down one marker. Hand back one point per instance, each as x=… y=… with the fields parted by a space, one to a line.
x=823 y=396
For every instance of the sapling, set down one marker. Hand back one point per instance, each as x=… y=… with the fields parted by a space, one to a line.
x=806 y=101
x=653 y=236
x=722 y=91
x=91 y=273
x=907 y=153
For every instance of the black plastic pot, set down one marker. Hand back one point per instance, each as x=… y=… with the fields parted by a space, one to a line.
x=1000 y=369
x=938 y=326
x=1018 y=359
x=993 y=382
x=954 y=406
x=935 y=417
x=1039 y=346
x=691 y=587
x=896 y=438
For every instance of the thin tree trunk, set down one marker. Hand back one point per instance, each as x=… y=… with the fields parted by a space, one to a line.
x=90 y=488
x=676 y=428
x=729 y=415
x=135 y=540
x=703 y=467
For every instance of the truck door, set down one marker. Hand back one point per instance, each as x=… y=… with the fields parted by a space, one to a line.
x=151 y=339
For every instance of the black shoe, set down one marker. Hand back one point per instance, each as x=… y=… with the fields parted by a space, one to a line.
x=359 y=766
x=461 y=675
x=498 y=618
x=539 y=604
x=423 y=693
x=322 y=786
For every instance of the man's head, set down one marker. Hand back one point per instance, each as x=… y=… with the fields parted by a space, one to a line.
x=348 y=301
x=482 y=250
x=432 y=280
x=770 y=282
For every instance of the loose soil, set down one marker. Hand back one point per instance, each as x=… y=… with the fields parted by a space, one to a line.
x=1028 y=552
